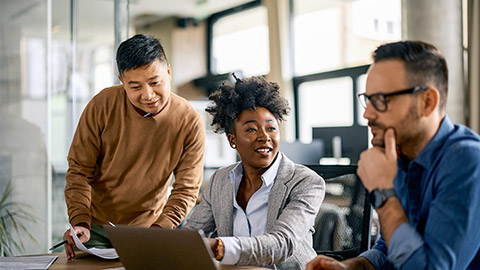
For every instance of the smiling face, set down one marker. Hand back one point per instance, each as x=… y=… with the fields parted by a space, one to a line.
x=402 y=114
x=256 y=137
x=148 y=87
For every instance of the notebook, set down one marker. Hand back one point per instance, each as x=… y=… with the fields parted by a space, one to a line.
x=162 y=249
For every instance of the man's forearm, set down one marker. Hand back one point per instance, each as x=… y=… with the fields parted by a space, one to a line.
x=391 y=216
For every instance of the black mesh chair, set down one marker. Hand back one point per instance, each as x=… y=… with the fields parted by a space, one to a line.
x=344 y=220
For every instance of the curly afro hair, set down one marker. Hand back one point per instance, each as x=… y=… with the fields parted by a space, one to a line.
x=229 y=101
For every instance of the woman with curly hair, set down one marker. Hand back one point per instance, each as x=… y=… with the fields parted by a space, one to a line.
x=261 y=209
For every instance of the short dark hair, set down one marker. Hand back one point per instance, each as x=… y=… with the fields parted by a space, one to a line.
x=137 y=51
x=423 y=64
x=229 y=101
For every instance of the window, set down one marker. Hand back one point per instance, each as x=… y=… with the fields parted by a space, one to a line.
x=328 y=99
x=239 y=41
x=325 y=103
x=329 y=35
x=332 y=46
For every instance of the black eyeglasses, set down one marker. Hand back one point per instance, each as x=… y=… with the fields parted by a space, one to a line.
x=379 y=100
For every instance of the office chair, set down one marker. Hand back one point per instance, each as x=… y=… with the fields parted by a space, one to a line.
x=342 y=227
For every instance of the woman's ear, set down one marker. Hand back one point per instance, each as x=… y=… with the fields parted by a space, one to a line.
x=231 y=140
x=431 y=100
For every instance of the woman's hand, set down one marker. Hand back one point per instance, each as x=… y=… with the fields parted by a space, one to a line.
x=216 y=246
x=212 y=244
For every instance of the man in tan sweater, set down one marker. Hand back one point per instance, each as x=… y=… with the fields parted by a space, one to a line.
x=130 y=140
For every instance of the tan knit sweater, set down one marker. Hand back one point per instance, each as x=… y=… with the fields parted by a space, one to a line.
x=120 y=163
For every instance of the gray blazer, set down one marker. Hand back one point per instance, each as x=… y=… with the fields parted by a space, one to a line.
x=293 y=203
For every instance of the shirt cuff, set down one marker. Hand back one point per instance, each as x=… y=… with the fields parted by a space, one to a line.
x=404 y=242
x=375 y=257
x=232 y=250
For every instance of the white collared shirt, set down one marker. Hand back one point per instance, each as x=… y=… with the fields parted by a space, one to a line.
x=252 y=221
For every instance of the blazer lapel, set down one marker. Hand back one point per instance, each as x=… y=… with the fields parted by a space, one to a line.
x=279 y=191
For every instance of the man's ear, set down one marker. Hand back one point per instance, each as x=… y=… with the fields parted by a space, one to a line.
x=120 y=78
x=431 y=100
x=169 y=71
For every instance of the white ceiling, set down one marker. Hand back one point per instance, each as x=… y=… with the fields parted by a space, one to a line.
x=95 y=17
x=198 y=9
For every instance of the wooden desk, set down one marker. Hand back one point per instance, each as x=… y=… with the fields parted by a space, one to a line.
x=84 y=260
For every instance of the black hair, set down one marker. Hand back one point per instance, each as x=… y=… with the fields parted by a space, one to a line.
x=137 y=51
x=229 y=101
x=423 y=64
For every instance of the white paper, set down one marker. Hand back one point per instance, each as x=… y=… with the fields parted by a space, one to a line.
x=107 y=253
x=31 y=262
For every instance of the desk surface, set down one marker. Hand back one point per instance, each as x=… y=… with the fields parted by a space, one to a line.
x=84 y=260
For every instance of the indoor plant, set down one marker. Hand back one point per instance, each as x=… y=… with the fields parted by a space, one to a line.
x=13 y=216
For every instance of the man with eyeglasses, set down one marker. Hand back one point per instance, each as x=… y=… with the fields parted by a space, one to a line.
x=423 y=171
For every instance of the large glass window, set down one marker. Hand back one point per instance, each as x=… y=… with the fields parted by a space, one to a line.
x=331 y=35
x=240 y=42
x=332 y=45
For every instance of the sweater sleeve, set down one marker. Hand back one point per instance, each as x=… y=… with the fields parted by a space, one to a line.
x=82 y=160
x=188 y=177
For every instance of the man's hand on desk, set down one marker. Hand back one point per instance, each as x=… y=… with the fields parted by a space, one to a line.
x=322 y=262
x=71 y=244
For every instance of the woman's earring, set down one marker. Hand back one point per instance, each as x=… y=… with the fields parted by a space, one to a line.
x=234 y=146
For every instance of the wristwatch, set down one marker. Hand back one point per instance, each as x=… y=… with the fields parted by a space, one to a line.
x=379 y=196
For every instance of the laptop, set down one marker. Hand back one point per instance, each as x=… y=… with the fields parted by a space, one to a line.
x=162 y=249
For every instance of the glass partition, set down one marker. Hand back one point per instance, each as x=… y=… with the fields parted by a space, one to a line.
x=83 y=63
x=24 y=125
x=40 y=105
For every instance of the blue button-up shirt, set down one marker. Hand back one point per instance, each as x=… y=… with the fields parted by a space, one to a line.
x=252 y=221
x=440 y=194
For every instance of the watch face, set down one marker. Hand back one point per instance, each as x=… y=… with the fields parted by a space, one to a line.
x=378 y=197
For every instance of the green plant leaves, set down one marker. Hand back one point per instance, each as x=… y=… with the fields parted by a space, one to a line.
x=13 y=216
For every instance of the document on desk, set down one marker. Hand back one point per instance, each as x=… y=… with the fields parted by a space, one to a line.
x=30 y=262
x=107 y=253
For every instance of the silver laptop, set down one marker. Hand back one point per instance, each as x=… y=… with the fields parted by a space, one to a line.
x=156 y=248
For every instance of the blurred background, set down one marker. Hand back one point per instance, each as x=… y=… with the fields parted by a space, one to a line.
x=55 y=55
